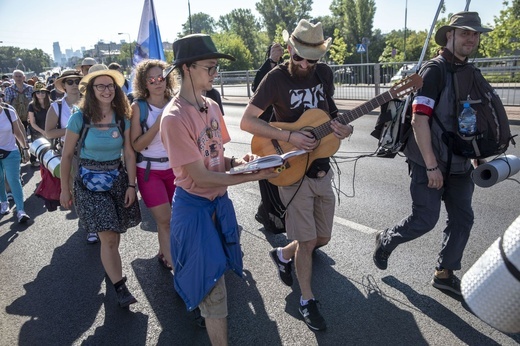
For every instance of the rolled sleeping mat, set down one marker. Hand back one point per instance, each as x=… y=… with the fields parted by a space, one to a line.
x=495 y=171
x=491 y=287
x=38 y=145
x=52 y=161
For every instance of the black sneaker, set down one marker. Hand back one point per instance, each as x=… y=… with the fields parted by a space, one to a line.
x=380 y=255
x=312 y=316
x=284 y=269
x=124 y=297
x=445 y=280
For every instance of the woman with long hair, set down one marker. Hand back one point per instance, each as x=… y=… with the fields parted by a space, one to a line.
x=37 y=112
x=104 y=188
x=152 y=92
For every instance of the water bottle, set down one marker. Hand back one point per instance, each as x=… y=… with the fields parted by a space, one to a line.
x=467 y=121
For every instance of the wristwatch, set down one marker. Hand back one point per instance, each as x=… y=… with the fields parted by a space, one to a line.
x=272 y=61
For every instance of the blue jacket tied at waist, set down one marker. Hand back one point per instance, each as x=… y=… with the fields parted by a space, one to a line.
x=202 y=249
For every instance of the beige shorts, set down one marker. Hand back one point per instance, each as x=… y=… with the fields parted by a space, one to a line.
x=214 y=304
x=310 y=214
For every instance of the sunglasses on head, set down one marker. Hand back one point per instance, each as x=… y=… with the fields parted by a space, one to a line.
x=71 y=81
x=296 y=57
x=153 y=80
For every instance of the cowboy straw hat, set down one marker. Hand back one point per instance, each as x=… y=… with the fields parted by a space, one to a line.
x=39 y=86
x=69 y=73
x=193 y=48
x=307 y=40
x=461 y=20
x=100 y=70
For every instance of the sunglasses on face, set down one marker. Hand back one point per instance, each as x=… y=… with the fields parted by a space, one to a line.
x=211 y=69
x=71 y=81
x=153 y=80
x=39 y=92
x=296 y=57
x=102 y=87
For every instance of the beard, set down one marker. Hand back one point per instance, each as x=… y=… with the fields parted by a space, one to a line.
x=298 y=72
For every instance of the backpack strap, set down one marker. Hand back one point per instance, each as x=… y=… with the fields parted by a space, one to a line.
x=60 y=106
x=144 y=109
x=8 y=113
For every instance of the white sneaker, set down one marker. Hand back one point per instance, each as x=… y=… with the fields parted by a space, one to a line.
x=4 y=208
x=22 y=216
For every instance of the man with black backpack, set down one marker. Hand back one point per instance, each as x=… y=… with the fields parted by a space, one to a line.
x=437 y=172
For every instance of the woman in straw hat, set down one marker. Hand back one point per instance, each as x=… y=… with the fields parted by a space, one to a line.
x=110 y=208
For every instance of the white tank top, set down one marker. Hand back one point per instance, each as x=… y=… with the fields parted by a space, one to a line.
x=156 y=148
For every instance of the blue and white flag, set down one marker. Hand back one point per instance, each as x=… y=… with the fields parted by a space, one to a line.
x=149 y=43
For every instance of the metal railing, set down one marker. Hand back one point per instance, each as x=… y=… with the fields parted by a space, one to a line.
x=364 y=81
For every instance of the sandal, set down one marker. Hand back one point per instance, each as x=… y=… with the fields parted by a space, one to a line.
x=164 y=262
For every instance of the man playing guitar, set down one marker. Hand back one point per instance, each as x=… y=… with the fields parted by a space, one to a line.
x=292 y=88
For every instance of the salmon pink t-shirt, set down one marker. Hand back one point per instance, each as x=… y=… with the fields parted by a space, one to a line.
x=189 y=135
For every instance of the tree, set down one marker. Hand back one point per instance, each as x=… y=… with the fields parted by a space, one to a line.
x=243 y=23
x=504 y=40
x=232 y=44
x=338 y=50
x=33 y=59
x=285 y=12
x=200 y=23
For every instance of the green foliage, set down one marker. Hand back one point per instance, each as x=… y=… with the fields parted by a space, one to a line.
x=243 y=23
x=504 y=40
x=286 y=12
x=32 y=59
x=200 y=23
x=338 y=51
x=232 y=44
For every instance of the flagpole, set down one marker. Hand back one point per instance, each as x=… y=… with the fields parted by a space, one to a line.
x=189 y=16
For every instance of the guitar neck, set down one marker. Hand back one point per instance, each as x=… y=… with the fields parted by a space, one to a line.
x=324 y=129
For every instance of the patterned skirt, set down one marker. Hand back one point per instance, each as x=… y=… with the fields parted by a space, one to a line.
x=105 y=211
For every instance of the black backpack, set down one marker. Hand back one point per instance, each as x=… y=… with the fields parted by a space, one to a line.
x=493 y=133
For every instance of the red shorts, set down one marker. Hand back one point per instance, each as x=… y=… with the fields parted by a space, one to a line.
x=158 y=189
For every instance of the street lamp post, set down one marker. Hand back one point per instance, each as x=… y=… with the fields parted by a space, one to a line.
x=129 y=45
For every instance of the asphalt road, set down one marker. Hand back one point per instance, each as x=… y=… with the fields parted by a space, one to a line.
x=54 y=291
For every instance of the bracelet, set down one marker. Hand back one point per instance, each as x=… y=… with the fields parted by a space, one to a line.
x=432 y=169
x=289 y=139
x=232 y=162
x=132 y=186
x=27 y=148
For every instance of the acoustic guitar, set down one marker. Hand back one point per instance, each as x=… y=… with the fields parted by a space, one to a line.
x=317 y=122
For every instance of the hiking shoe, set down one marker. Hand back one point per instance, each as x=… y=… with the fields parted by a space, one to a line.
x=380 y=255
x=284 y=269
x=4 y=208
x=124 y=297
x=445 y=280
x=22 y=216
x=92 y=238
x=312 y=317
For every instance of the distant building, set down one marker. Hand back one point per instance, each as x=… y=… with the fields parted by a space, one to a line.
x=57 y=52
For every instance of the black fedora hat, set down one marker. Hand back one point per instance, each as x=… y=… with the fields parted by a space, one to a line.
x=462 y=20
x=193 y=48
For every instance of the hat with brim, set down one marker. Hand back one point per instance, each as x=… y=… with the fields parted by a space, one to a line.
x=39 y=86
x=70 y=73
x=101 y=70
x=307 y=40
x=462 y=20
x=193 y=48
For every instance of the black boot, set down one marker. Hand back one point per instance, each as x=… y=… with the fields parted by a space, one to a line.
x=124 y=297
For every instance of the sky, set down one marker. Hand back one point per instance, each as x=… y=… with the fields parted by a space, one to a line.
x=37 y=24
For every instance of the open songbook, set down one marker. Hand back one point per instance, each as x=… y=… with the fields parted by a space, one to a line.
x=265 y=162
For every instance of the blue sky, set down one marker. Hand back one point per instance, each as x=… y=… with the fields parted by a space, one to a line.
x=37 y=24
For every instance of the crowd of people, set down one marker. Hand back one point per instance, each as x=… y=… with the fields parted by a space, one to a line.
x=166 y=141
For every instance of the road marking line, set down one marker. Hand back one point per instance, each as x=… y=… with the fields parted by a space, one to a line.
x=339 y=220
